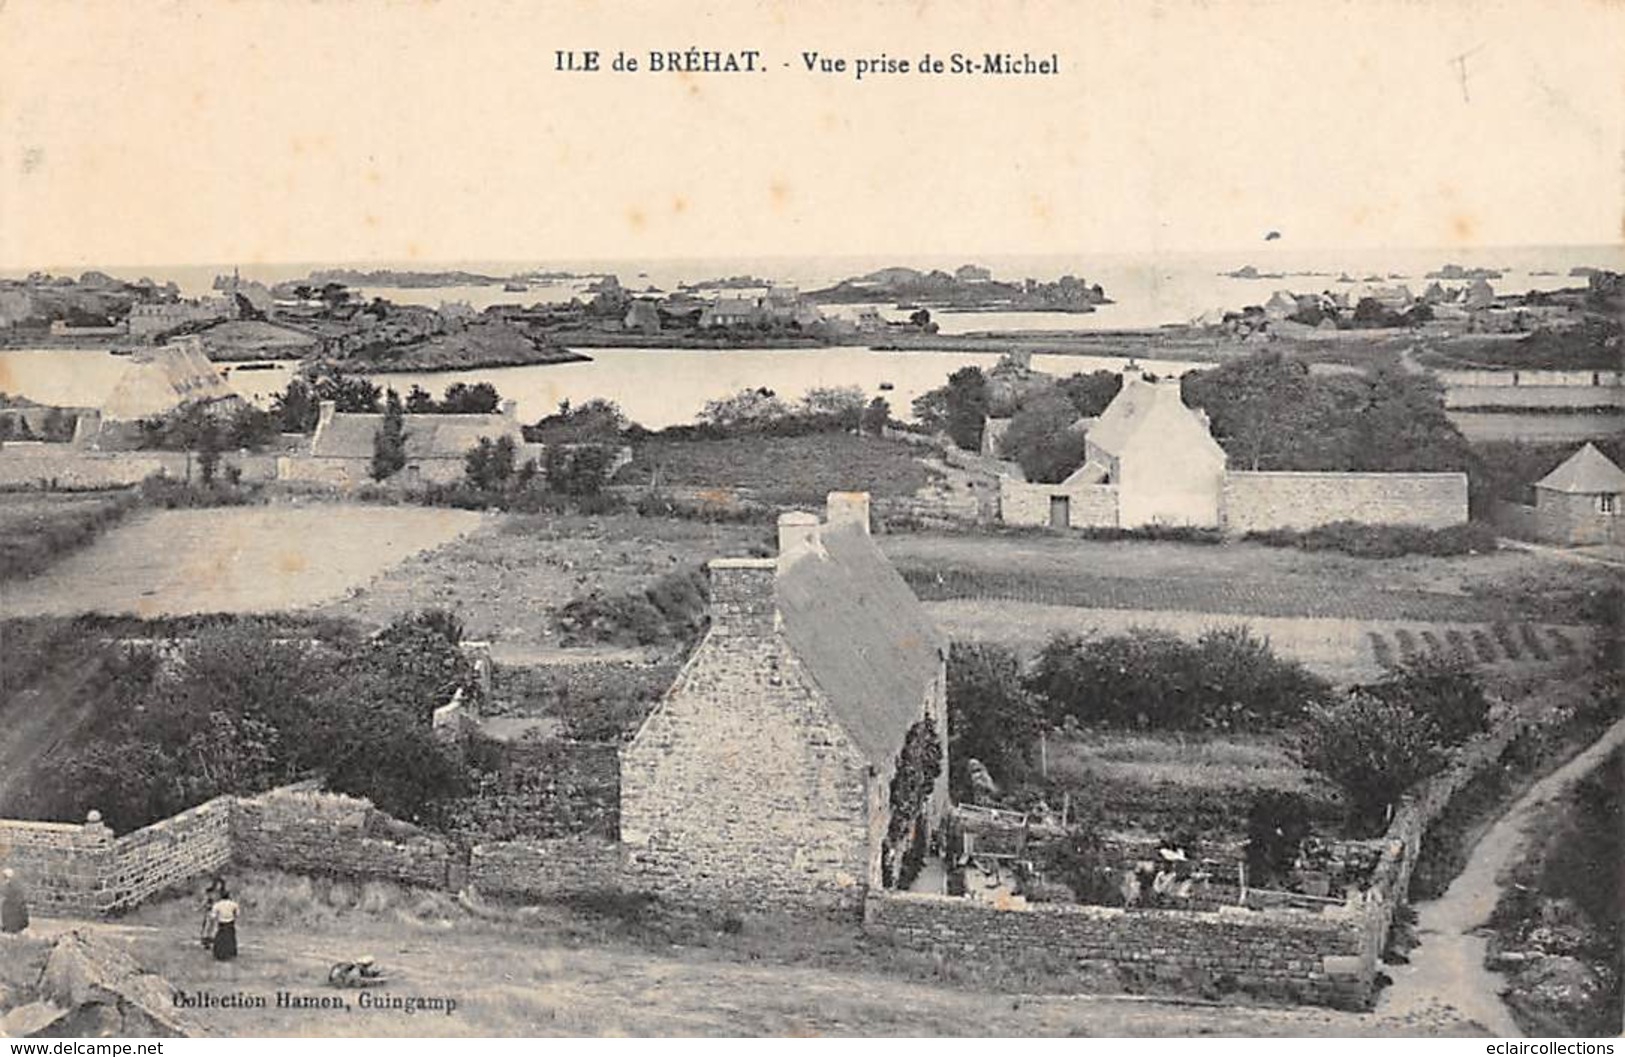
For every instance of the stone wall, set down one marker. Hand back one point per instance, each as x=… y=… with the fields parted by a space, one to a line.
x=1571 y=397
x=61 y=466
x=1300 y=955
x=67 y=468
x=539 y=869
x=1509 y=379
x=545 y=790
x=63 y=866
x=170 y=853
x=1088 y=505
x=1257 y=501
x=323 y=833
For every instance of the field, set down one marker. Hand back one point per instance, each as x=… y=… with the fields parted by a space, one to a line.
x=555 y=971
x=234 y=560
x=781 y=469
x=508 y=578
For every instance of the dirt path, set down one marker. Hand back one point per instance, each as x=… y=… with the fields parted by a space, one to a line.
x=1448 y=968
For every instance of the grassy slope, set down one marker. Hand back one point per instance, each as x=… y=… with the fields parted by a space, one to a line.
x=553 y=971
x=781 y=469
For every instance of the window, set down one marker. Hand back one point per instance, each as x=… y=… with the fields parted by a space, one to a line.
x=1608 y=503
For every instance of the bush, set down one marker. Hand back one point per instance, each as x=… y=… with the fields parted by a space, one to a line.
x=1149 y=679
x=991 y=716
x=672 y=609
x=1363 y=540
x=1375 y=749
x=1443 y=689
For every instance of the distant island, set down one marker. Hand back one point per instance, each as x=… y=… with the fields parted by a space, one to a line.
x=388 y=277
x=969 y=289
x=1456 y=271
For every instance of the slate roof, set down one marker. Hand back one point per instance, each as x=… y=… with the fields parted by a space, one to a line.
x=862 y=635
x=1587 y=472
x=1138 y=403
x=350 y=435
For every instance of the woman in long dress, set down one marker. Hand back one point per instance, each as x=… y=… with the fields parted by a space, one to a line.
x=223 y=927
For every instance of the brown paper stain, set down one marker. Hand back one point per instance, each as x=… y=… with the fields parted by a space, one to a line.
x=413 y=250
x=679 y=205
x=778 y=192
x=6 y=383
x=291 y=563
x=1042 y=210
x=636 y=219
x=1464 y=227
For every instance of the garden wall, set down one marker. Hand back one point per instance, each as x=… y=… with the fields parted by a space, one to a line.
x=62 y=865
x=1257 y=501
x=547 y=869
x=1088 y=505
x=546 y=790
x=1300 y=955
x=169 y=853
x=323 y=833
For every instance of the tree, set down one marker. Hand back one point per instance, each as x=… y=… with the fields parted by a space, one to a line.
x=481 y=398
x=489 y=466
x=579 y=470
x=389 y=443
x=1090 y=393
x=746 y=407
x=1445 y=690
x=208 y=455
x=1042 y=438
x=876 y=417
x=843 y=403
x=991 y=716
x=597 y=421
x=960 y=407
x=419 y=401
x=1374 y=749
x=1277 y=825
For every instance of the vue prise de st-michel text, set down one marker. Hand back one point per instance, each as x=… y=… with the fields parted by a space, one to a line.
x=818 y=63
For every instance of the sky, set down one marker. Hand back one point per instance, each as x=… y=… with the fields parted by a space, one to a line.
x=136 y=132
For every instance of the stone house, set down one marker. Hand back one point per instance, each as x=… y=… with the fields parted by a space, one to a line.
x=1166 y=466
x=763 y=776
x=437 y=446
x=1582 y=501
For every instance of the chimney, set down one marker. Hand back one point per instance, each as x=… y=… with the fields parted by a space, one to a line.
x=848 y=508
x=798 y=535
x=742 y=596
x=509 y=409
x=324 y=416
x=87 y=429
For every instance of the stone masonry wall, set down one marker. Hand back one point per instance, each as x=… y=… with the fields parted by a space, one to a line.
x=1292 y=954
x=548 y=869
x=1292 y=500
x=327 y=834
x=170 y=853
x=1089 y=505
x=62 y=866
x=546 y=790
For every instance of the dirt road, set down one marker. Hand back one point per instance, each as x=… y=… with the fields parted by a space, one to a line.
x=1448 y=968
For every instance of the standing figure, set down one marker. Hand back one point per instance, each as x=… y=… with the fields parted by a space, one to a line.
x=220 y=929
x=13 y=902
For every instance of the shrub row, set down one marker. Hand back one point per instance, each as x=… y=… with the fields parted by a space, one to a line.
x=25 y=549
x=1383 y=541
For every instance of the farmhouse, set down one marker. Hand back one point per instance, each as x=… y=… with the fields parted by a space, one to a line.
x=437 y=446
x=764 y=775
x=1150 y=460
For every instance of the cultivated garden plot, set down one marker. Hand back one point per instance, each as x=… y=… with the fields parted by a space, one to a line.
x=1342 y=650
